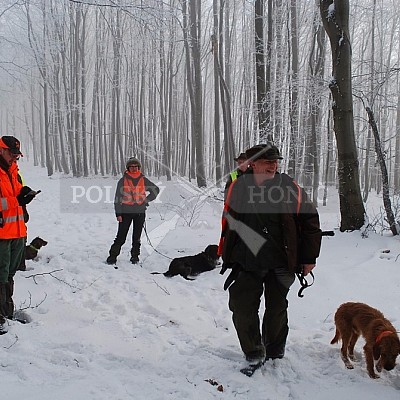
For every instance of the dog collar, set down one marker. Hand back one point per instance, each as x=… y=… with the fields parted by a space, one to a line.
x=382 y=335
x=34 y=248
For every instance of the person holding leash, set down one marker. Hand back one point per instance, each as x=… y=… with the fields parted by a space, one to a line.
x=133 y=194
x=270 y=229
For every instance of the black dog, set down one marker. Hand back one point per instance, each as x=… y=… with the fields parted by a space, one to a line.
x=31 y=251
x=193 y=265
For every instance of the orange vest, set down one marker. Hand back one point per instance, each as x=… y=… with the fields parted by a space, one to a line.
x=224 y=222
x=134 y=194
x=12 y=224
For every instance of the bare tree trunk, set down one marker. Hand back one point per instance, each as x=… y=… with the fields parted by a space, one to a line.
x=142 y=102
x=217 y=120
x=229 y=148
x=59 y=123
x=260 y=69
x=293 y=90
x=268 y=60
x=116 y=155
x=396 y=182
x=82 y=108
x=189 y=79
x=75 y=82
x=34 y=142
x=195 y=26
x=385 y=179
x=336 y=23
x=192 y=23
x=316 y=67
x=40 y=57
x=163 y=95
x=278 y=99
x=94 y=126
x=328 y=159
x=371 y=99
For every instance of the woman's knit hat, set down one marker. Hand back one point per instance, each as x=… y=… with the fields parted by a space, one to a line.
x=133 y=161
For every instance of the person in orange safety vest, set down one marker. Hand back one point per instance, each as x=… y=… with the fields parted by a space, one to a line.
x=13 y=196
x=132 y=196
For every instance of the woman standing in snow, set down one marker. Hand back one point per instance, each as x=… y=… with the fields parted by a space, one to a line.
x=132 y=197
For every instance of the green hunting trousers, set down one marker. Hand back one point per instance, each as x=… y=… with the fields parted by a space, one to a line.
x=244 y=302
x=11 y=253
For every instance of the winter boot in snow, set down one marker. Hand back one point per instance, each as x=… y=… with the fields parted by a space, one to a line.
x=135 y=251
x=134 y=259
x=3 y=329
x=9 y=304
x=114 y=253
x=111 y=260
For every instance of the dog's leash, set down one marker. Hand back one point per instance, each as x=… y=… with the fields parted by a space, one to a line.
x=300 y=275
x=151 y=245
x=303 y=282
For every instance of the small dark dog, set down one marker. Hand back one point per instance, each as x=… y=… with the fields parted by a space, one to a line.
x=193 y=265
x=381 y=340
x=31 y=251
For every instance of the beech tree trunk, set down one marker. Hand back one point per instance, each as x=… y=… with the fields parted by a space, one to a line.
x=335 y=18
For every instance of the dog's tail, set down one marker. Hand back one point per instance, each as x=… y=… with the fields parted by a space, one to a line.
x=167 y=274
x=336 y=338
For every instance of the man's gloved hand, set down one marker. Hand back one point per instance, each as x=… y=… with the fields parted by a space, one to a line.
x=26 y=195
x=236 y=268
x=224 y=267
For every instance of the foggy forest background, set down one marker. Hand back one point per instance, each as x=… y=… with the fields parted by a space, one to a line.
x=185 y=85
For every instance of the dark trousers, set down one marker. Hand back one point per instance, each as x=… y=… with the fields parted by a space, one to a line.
x=11 y=253
x=244 y=302
x=137 y=220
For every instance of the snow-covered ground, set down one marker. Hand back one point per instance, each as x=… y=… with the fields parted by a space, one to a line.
x=106 y=334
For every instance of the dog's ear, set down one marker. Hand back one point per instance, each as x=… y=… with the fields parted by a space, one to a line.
x=212 y=250
x=376 y=350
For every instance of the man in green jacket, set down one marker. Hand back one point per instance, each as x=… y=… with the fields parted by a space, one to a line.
x=242 y=166
x=270 y=230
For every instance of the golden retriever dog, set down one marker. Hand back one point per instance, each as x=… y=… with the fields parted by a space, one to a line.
x=381 y=340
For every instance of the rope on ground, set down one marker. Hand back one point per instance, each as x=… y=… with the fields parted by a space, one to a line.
x=151 y=245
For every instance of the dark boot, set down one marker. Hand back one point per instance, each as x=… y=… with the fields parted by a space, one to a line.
x=9 y=306
x=135 y=251
x=3 y=329
x=114 y=253
x=134 y=259
x=111 y=260
x=2 y=308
